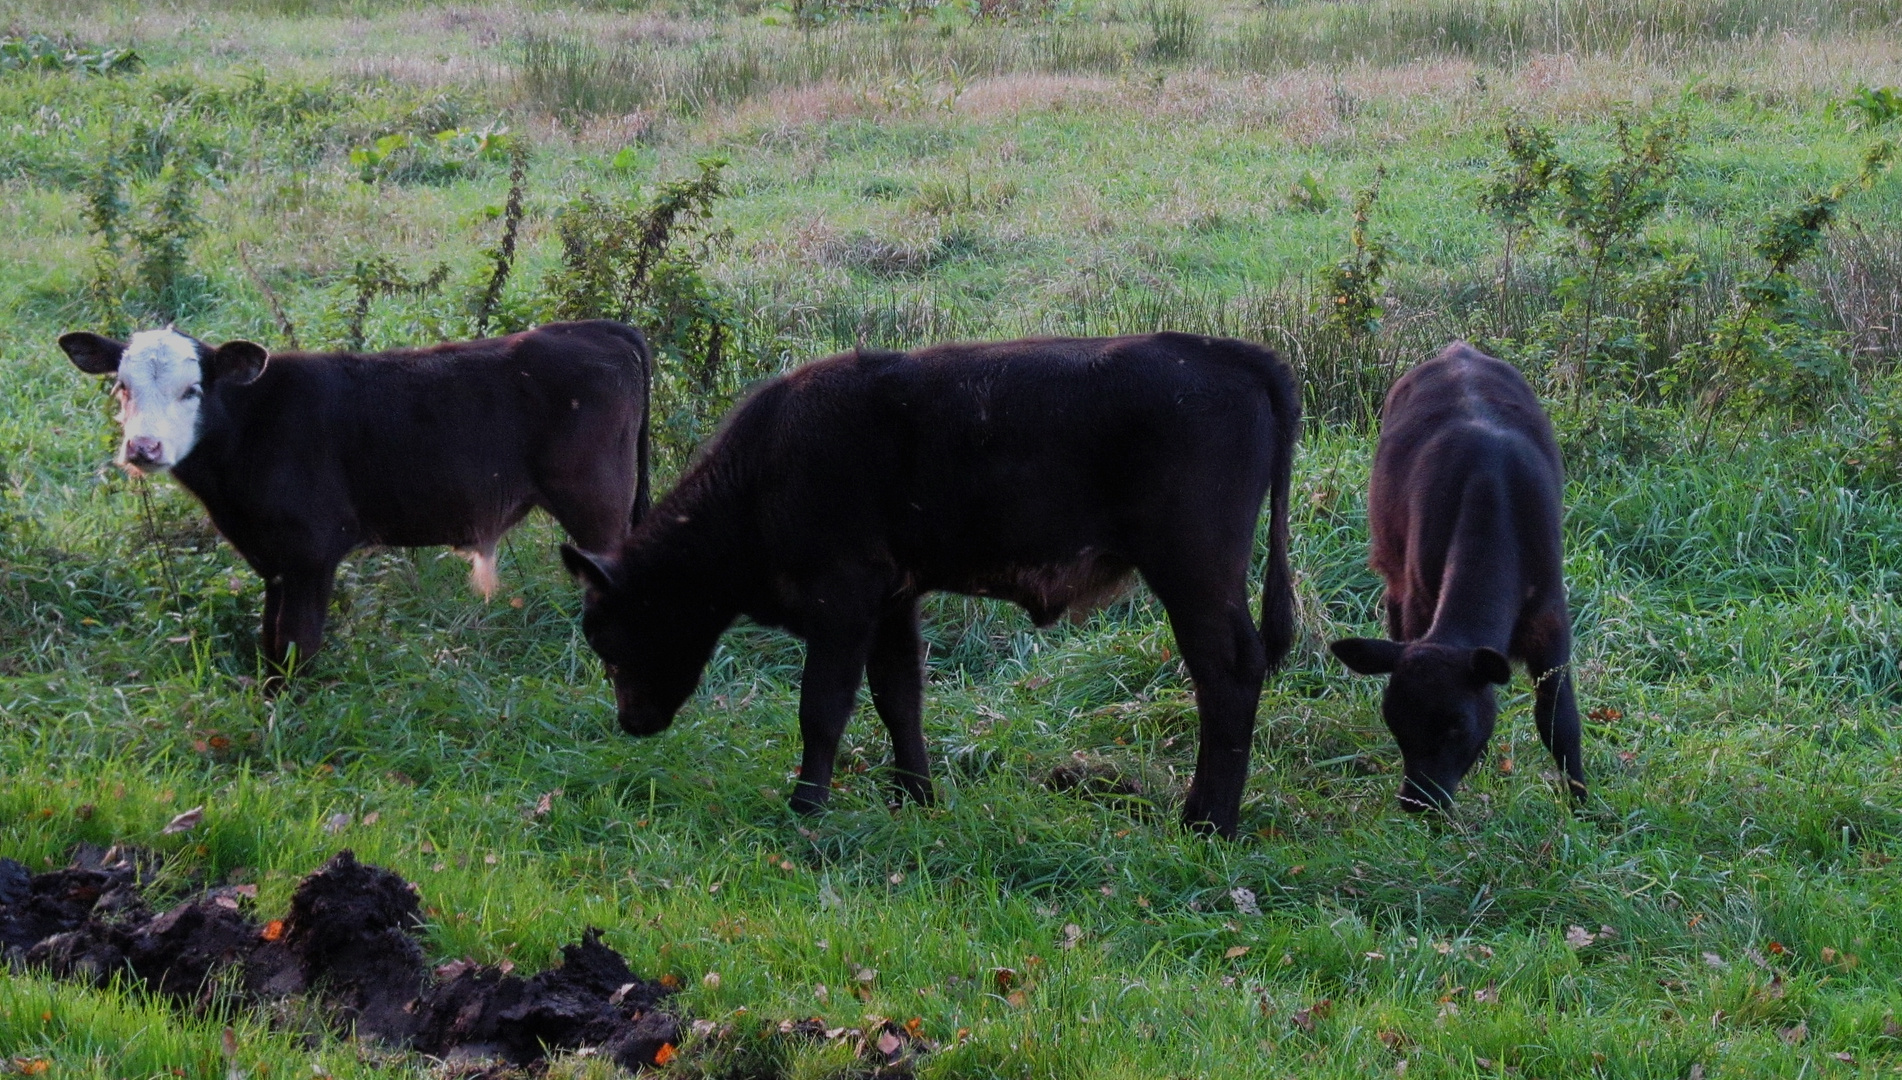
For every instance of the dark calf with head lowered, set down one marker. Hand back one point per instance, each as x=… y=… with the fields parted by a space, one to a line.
x=1040 y=471
x=1464 y=513
x=300 y=458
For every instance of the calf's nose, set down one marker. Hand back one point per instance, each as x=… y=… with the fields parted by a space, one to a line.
x=143 y=449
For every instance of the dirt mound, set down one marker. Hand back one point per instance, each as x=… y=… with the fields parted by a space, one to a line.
x=351 y=939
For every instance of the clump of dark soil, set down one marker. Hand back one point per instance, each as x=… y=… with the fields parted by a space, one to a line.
x=1093 y=778
x=351 y=938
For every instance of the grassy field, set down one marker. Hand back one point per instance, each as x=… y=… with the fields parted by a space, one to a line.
x=1727 y=905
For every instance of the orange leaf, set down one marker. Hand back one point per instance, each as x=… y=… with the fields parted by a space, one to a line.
x=272 y=930
x=34 y=1067
x=665 y=1054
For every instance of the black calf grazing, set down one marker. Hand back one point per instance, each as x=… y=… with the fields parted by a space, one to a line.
x=301 y=457
x=1039 y=471
x=1464 y=511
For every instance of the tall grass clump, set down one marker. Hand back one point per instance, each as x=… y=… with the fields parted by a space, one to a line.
x=1390 y=31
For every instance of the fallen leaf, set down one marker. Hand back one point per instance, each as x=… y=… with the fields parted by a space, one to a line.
x=1775 y=948
x=184 y=822
x=337 y=823
x=1071 y=934
x=545 y=804
x=1005 y=978
x=1444 y=948
x=33 y=1066
x=865 y=975
x=1711 y=959
x=1305 y=1018
x=1016 y=999
x=1891 y=1029
x=1484 y=950
x=1244 y=900
x=1696 y=1073
x=1793 y=1035
x=490 y=858
x=889 y=1043
x=1578 y=937
x=1606 y=933
x=1505 y=765
x=703 y=1028
x=665 y=1054
x=711 y=980
x=1829 y=955
x=1394 y=1040
x=1845 y=1057
x=273 y=930
x=1604 y=714
x=896 y=879
x=1235 y=951
x=670 y=980
x=1486 y=994
x=372 y=817
x=1373 y=956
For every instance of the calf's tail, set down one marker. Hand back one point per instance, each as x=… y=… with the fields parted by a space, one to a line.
x=1277 y=584
x=643 y=493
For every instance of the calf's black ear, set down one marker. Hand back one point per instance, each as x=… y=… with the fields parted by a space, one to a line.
x=237 y=362
x=1368 y=656
x=91 y=353
x=595 y=574
x=1489 y=665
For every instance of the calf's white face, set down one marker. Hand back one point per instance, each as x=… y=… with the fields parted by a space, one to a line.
x=160 y=386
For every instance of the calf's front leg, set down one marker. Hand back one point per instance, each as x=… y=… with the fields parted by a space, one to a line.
x=303 y=602
x=1555 y=711
x=827 y=692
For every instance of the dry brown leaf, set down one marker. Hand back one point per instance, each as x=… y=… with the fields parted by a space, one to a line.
x=1578 y=937
x=1486 y=994
x=889 y=1043
x=184 y=822
x=336 y=823
x=1235 y=951
x=1793 y=1035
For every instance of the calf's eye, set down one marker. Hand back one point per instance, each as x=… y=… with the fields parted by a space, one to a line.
x=191 y=393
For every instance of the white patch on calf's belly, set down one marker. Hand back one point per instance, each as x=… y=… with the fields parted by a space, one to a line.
x=482 y=577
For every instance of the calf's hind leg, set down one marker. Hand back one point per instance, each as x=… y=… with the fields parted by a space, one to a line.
x=896 y=674
x=1227 y=661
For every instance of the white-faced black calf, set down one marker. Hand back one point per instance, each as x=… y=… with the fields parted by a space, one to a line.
x=1041 y=472
x=300 y=458
x=1464 y=510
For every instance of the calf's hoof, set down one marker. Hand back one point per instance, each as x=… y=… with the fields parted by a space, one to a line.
x=807 y=799
x=916 y=788
x=1205 y=824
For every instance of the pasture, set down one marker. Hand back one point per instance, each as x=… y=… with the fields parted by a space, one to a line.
x=1332 y=179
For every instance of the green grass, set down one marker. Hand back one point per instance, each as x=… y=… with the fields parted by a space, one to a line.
x=1736 y=602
